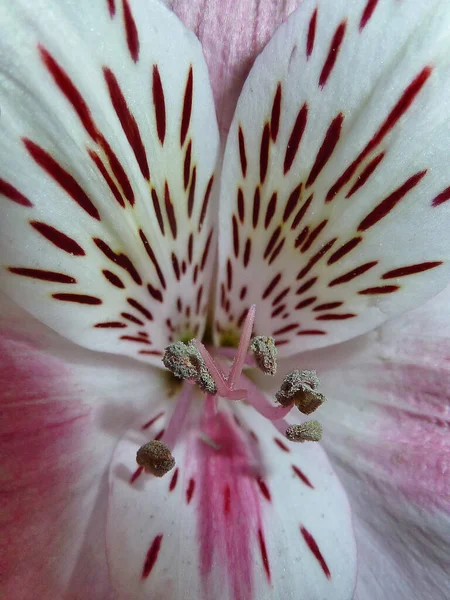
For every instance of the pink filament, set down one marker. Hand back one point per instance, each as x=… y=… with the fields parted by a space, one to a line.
x=242 y=350
x=178 y=417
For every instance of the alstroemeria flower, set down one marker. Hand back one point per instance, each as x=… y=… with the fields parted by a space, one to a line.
x=328 y=212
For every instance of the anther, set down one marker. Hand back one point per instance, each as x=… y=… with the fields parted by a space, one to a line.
x=311 y=431
x=299 y=387
x=265 y=353
x=185 y=362
x=156 y=458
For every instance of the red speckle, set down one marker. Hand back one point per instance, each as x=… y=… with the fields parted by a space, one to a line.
x=132 y=318
x=121 y=260
x=295 y=137
x=77 y=298
x=111 y=325
x=173 y=481
x=190 y=490
x=235 y=236
x=302 y=476
x=368 y=12
x=118 y=171
x=326 y=149
x=442 y=197
x=159 y=104
x=306 y=286
x=281 y=296
x=227 y=500
x=286 y=329
x=240 y=205
x=367 y=172
x=336 y=317
x=186 y=176
x=205 y=203
x=312 y=545
x=152 y=257
x=275 y=117
x=313 y=260
x=155 y=293
x=264 y=489
x=281 y=445
x=312 y=332
x=42 y=275
x=242 y=153
x=327 y=306
x=10 y=192
x=264 y=153
x=152 y=556
x=130 y=338
x=153 y=420
x=332 y=53
x=272 y=241
x=301 y=213
x=256 y=207
x=247 y=251
x=357 y=272
x=159 y=435
x=62 y=177
x=306 y=302
x=382 y=289
x=385 y=207
x=411 y=269
x=187 y=107
x=170 y=211
x=343 y=250
x=269 y=289
x=311 y=34
x=263 y=550
x=107 y=177
x=314 y=235
x=136 y=474
x=135 y=304
x=292 y=202
x=271 y=207
x=277 y=251
x=206 y=251
x=131 y=31
x=111 y=8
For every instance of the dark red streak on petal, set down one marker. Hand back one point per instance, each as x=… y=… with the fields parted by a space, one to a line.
x=132 y=318
x=312 y=545
x=396 y=113
x=327 y=306
x=264 y=153
x=152 y=257
x=270 y=211
x=292 y=202
x=263 y=550
x=301 y=237
x=277 y=251
x=157 y=208
x=135 y=304
x=336 y=317
x=314 y=235
x=127 y=120
x=368 y=12
x=311 y=332
x=343 y=250
x=300 y=473
x=247 y=252
x=111 y=325
x=187 y=173
x=187 y=107
x=301 y=213
x=10 y=192
x=311 y=34
x=205 y=203
x=173 y=481
x=131 y=31
x=107 y=177
x=332 y=53
x=136 y=474
x=190 y=490
x=152 y=556
x=242 y=153
x=264 y=489
x=327 y=148
x=227 y=500
x=113 y=279
x=306 y=286
x=235 y=236
x=275 y=117
x=206 y=251
x=119 y=259
x=442 y=197
x=77 y=298
x=130 y=338
x=62 y=177
x=154 y=353
x=170 y=211
x=240 y=205
x=118 y=171
x=159 y=104
x=411 y=269
x=272 y=241
x=306 y=302
x=363 y=178
x=281 y=445
x=58 y=239
x=313 y=260
x=269 y=289
x=155 y=293
x=111 y=8
x=153 y=420
x=353 y=273
x=383 y=289
x=256 y=207
x=175 y=266
x=281 y=296
x=42 y=275
x=295 y=138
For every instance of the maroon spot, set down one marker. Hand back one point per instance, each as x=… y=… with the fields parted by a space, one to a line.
x=272 y=241
x=159 y=104
x=195 y=274
x=264 y=489
x=158 y=211
x=173 y=481
x=314 y=235
x=286 y=329
x=131 y=31
x=107 y=177
x=132 y=318
x=306 y=302
x=135 y=304
x=295 y=137
x=247 y=251
x=127 y=120
x=241 y=319
x=206 y=251
x=442 y=197
x=119 y=259
x=205 y=203
x=240 y=205
x=152 y=257
x=59 y=239
x=42 y=275
x=332 y=53
x=136 y=474
x=277 y=251
x=153 y=420
x=152 y=556
x=398 y=111
x=190 y=248
x=111 y=325
x=281 y=296
x=353 y=273
x=411 y=269
x=264 y=153
x=77 y=298
x=385 y=207
x=343 y=250
x=155 y=293
x=256 y=207
x=312 y=545
x=292 y=202
x=313 y=260
x=190 y=490
x=327 y=148
x=383 y=289
x=270 y=211
x=301 y=237
x=275 y=117
x=199 y=299
x=327 y=306
x=301 y=213
x=311 y=34
x=281 y=445
x=118 y=171
x=10 y=192
x=269 y=289
x=306 y=286
x=362 y=179
x=300 y=473
x=186 y=174
x=336 y=317
x=175 y=266
x=170 y=211
x=187 y=107
x=277 y=311
x=243 y=292
x=242 y=153
x=263 y=550
x=130 y=338
x=367 y=13
x=235 y=236
x=153 y=353
x=312 y=332
x=62 y=177
x=111 y=7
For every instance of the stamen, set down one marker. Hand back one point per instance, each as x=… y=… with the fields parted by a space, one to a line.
x=156 y=458
x=178 y=416
x=265 y=353
x=299 y=387
x=186 y=362
x=244 y=342
x=218 y=376
x=311 y=431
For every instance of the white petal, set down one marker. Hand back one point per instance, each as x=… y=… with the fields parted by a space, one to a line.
x=239 y=517
x=335 y=182
x=107 y=149
x=63 y=409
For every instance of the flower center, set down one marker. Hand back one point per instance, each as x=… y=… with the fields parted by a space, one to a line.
x=193 y=363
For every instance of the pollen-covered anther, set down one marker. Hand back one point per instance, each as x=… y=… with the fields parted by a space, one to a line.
x=185 y=362
x=300 y=388
x=156 y=458
x=265 y=353
x=311 y=431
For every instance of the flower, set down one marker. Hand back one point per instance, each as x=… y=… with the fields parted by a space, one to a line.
x=333 y=198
